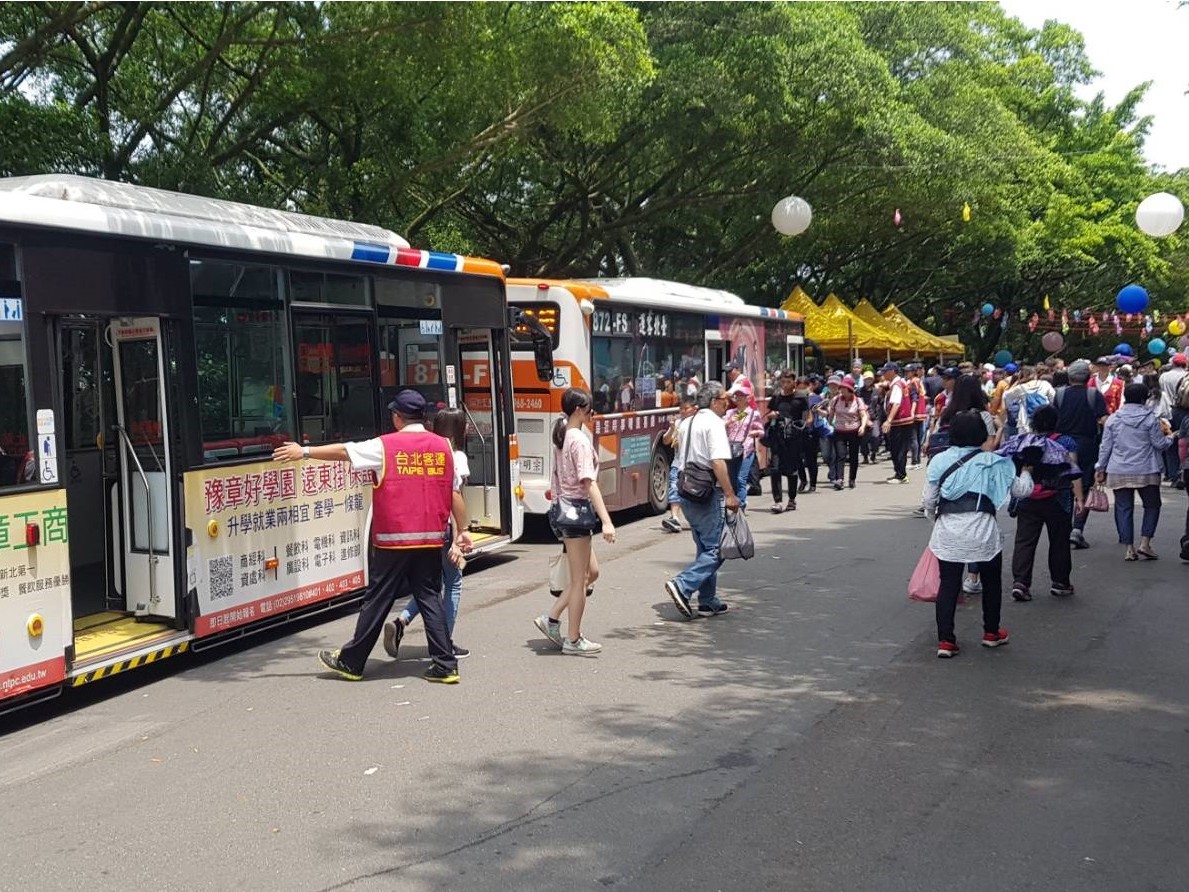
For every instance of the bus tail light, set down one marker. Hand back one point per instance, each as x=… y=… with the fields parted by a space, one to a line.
x=32 y=535
x=518 y=491
x=548 y=495
x=271 y=563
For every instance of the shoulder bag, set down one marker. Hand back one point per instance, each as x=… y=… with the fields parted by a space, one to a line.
x=695 y=482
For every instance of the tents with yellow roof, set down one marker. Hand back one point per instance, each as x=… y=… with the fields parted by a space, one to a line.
x=939 y=345
x=835 y=329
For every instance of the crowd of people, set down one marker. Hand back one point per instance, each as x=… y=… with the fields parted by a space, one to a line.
x=1043 y=442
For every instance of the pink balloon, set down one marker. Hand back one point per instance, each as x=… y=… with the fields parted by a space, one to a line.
x=1053 y=341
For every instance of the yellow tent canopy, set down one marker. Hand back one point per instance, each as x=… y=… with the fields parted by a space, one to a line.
x=836 y=329
x=916 y=339
x=945 y=346
x=800 y=302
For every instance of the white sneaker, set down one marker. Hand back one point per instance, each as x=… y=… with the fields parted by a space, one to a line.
x=972 y=586
x=580 y=648
x=550 y=630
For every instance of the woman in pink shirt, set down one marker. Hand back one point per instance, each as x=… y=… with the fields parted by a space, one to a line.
x=577 y=513
x=848 y=414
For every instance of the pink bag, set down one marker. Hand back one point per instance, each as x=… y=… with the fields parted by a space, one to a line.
x=1096 y=500
x=926 y=578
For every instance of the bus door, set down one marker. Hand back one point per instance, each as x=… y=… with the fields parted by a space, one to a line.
x=90 y=469
x=716 y=357
x=481 y=403
x=144 y=503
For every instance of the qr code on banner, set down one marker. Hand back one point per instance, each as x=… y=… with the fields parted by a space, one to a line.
x=222 y=576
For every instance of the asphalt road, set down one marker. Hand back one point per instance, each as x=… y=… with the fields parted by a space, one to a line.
x=807 y=740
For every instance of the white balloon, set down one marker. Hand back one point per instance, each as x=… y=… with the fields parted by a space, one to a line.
x=792 y=215
x=1160 y=214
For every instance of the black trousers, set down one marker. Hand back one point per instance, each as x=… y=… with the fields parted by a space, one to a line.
x=990 y=573
x=398 y=573
x=846 y=452
x=1032 y=516
x=784 y=465
x=809 y=448
x=899 y=439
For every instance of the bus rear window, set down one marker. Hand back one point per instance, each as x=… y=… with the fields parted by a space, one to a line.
x=547 y=313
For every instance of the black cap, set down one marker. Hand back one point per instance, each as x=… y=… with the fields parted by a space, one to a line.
x=951 y=372
x=732 y=366
x=890 y=367
x=408 y=404
x=913 y=367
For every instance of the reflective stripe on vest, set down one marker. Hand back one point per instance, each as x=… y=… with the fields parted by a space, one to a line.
x=435 y=537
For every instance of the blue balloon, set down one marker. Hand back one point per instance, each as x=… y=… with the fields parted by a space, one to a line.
x=988 y=309
x=1002 y=358
x=1124 y=350
x=1156 y=346
x=1132 y=299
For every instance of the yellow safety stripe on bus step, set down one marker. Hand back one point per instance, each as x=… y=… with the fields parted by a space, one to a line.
x=122 y=665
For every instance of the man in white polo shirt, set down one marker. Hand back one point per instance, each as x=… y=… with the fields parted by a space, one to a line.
x=703 y=439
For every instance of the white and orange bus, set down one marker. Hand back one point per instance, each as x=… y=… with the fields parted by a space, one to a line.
x=627 y=341
x=154 y=348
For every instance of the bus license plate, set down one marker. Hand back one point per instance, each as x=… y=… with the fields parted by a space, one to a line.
x=532 y=464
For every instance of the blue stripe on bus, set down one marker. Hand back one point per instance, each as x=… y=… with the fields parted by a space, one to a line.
x=371 y=253
x=442 y=261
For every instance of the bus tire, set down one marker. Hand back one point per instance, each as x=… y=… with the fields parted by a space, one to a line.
x=658 y=481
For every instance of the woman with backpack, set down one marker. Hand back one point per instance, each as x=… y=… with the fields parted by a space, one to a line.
x=1131 y=461
x=1056 y=495
x=848 y=415
x=964 y=488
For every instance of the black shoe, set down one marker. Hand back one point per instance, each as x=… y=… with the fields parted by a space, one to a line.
x=393 y=633
x=330 y=660
x=804 y=487
x=713 y=609
x=461 y=653
x=441 y=674
x=680 y=601
x=850 y=485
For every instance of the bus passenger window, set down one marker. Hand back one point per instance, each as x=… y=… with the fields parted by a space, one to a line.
x=411 y=358
x=335 y=393
x=243 y=360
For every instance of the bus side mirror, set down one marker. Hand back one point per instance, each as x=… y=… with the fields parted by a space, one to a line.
x=543 y=356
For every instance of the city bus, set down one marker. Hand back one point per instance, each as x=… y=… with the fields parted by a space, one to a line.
x=629 y=341
x=154 y=349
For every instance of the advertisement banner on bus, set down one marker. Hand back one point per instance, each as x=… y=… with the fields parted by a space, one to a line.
x=269 y=539
x=35 y=621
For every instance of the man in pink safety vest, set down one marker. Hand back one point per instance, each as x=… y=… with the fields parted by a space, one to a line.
x=899 y=427
x=415 y=495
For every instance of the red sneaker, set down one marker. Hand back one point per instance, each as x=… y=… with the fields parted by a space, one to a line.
x=995 y=639
x=947 y=649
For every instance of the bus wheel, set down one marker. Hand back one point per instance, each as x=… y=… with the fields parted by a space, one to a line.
x=658 y=482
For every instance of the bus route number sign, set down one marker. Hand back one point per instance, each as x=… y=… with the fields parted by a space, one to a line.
x=626 y=323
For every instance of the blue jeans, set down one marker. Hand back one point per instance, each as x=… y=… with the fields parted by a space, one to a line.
x=674 y=498
x=706 y=523
x=1125 y=512
x=741 y=481
x=451 y=585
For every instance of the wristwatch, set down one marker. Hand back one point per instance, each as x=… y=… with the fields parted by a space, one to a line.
x=305 y=451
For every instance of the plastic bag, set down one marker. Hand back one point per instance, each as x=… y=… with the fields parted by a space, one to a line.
x=737 y=541
x=559 y=573
x=926 y=578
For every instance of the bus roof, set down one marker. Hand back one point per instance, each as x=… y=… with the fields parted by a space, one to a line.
x=661 y=293
x=109 y=208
